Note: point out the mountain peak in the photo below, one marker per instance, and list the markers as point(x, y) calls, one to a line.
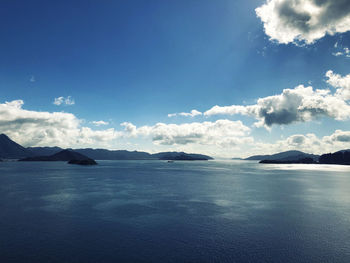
point(3, 135)
point(10, 149)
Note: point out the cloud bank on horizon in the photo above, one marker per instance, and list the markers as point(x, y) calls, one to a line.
point(306, 21)
point(35, 128)
point(221, 132)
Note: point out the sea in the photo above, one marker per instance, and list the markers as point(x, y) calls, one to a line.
point(185, 211)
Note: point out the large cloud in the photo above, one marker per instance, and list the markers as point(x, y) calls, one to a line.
point(296, 105)
point(289, 21)
point(224, 133)
point(33, 128)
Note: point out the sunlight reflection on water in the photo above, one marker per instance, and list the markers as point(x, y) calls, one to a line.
point(313, 167)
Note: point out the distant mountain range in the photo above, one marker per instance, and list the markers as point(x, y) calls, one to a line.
point(284, 156)
point(103, 154)
point(12, 150)
point(63, 155)
point(69, 156)
point(41, 151)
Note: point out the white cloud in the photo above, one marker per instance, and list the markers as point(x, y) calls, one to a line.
point(32, 79)
point(338, 54)
point(339, 136)
point(228, 110)
point(130, 129)
point(342, 84)
point(296, 105)
point(292, 21)
point(193, 113)
point(308, 143)
point(99, 123)
point(345, 52)
point(223, 133)
point(34, 128)
point(64, 101)
point(220, 138)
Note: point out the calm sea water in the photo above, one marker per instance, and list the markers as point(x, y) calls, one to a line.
point(153, 211)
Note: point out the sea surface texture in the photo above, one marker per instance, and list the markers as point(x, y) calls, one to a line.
point(154, 211)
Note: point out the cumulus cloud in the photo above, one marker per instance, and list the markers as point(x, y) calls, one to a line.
point(338, 136)
point(64, 101)
point(342, 84)
point(34, 128)
point(292, 21)
point(296, 105)
point(222, 133)
point(131, 129)
point(193, 113)
point(99, 123)
point(309, 143)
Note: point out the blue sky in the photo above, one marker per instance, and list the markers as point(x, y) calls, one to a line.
point(138, 61)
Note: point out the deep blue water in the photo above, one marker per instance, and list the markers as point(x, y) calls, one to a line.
point(153, 211)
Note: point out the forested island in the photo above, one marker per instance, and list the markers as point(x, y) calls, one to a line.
point(294, 157)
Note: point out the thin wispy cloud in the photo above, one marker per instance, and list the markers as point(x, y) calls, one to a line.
point(193, 113)
point(99, 123)
point(64, 101)
point(345, 52)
